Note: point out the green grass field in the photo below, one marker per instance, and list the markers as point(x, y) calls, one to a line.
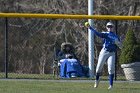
point(48, 76)
point(66, 86)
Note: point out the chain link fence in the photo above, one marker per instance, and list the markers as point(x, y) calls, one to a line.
point(2, 52)
point(31, 43)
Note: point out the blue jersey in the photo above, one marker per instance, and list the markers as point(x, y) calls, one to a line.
point(70, 66)
point(108, 39)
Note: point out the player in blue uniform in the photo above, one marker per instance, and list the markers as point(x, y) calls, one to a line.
point(110, 43)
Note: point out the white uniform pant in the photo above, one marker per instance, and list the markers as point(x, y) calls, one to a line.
point(108, 57)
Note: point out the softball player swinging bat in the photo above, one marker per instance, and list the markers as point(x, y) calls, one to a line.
point(107, 53)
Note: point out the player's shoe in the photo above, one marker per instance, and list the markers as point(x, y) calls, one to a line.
point(110, 87)
point(96, 83)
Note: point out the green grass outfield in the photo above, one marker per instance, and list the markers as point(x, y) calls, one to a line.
point(65, 86)
point(48, 76)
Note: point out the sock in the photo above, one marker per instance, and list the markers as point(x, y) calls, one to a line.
point(97, 76)
point(111, 77)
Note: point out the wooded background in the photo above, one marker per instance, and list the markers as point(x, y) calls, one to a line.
point(32, 40)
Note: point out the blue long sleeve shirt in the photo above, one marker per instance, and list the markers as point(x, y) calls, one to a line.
point(108, 39)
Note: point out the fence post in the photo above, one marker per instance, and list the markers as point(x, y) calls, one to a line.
point(116, 31)
point(6, 47)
